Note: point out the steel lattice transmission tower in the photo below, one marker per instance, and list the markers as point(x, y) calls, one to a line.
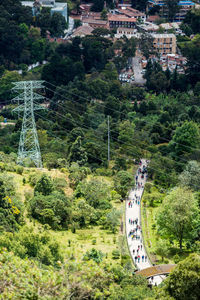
point(28, 144)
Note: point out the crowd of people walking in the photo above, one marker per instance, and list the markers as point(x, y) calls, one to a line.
point(133, 225)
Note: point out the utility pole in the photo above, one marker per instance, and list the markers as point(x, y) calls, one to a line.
point(108, 139)
point(28, 144)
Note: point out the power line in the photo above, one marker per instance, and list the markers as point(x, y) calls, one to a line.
point(112, 110)
point(116, 139)
point(97, 158)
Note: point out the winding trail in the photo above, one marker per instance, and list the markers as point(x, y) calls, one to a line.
point(133, 212)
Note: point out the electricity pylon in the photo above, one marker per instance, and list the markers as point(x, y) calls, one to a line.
point(28, 144)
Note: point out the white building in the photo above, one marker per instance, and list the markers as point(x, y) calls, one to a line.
point(37, 5)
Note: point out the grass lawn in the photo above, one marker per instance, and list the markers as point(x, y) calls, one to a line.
point(74, 244)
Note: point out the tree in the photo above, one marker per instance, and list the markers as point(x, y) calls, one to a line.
point(58, 25)
point(113, 219)
point(78, 153)
point(44, 185)
point(96, 192)
point(171, 8)
point(183, 282)
point(158, 82)
point(178, 216)
point(190, 177)
point(185, 139)
point(146, 45)
point(6, 84)
point(97, 5)
point(123, 182)
point(53, 209)
point(192, 19)
point(104, 14)
point(191, 50)
point(139, 4)
point(162, 248)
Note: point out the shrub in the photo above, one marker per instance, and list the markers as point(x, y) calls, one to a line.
point(44, 185)
point(93, 254)
point(115, 254)
point(28, 243)
point(19, 170)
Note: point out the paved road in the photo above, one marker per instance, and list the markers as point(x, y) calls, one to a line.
point(132, 213)
point(137, 68)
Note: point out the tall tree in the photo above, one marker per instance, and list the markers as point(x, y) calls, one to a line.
point(171, 8)
point(185, 139)
point(178, 216)
point(184, 281)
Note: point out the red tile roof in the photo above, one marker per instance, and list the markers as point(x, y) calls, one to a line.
point(120, 19)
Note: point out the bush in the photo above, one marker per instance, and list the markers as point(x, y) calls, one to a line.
point(19, 170)
point(44, 185)
point(93, 254)
point(115, 254)
point(33, 178)
point(28, 243)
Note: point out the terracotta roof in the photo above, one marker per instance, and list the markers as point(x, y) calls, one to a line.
point(121, 19)
point(83, 30)
point(156, 270)
point(93, 21)
point(153, 18)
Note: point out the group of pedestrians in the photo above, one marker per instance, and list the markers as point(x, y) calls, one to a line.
point(134, 201)
point(134, 228)
point(138, 257)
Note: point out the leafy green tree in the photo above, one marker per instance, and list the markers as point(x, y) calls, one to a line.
point(185, 139)
point(192, 20)
point(158, 82)
point(123, 182)
point(44, 185)
point(96, 192)
point(104, 14)
point(178, 216)
point(58, 25)
point(6, 84)
point(146, 45)
point(97, 5)
point(77, 174)
point(78, 153)
point(183, 281)
point(139, 4)
point(84, 214)
point(192, 52)
point(162, 248)
point(171, 8)
point(113, 220)
point(53, 209)
point(190, 177)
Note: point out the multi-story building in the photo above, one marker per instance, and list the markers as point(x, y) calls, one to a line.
point(116, 21)
point(184, 7)
point(164, 43)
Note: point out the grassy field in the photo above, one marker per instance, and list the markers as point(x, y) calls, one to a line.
point(74, 244)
